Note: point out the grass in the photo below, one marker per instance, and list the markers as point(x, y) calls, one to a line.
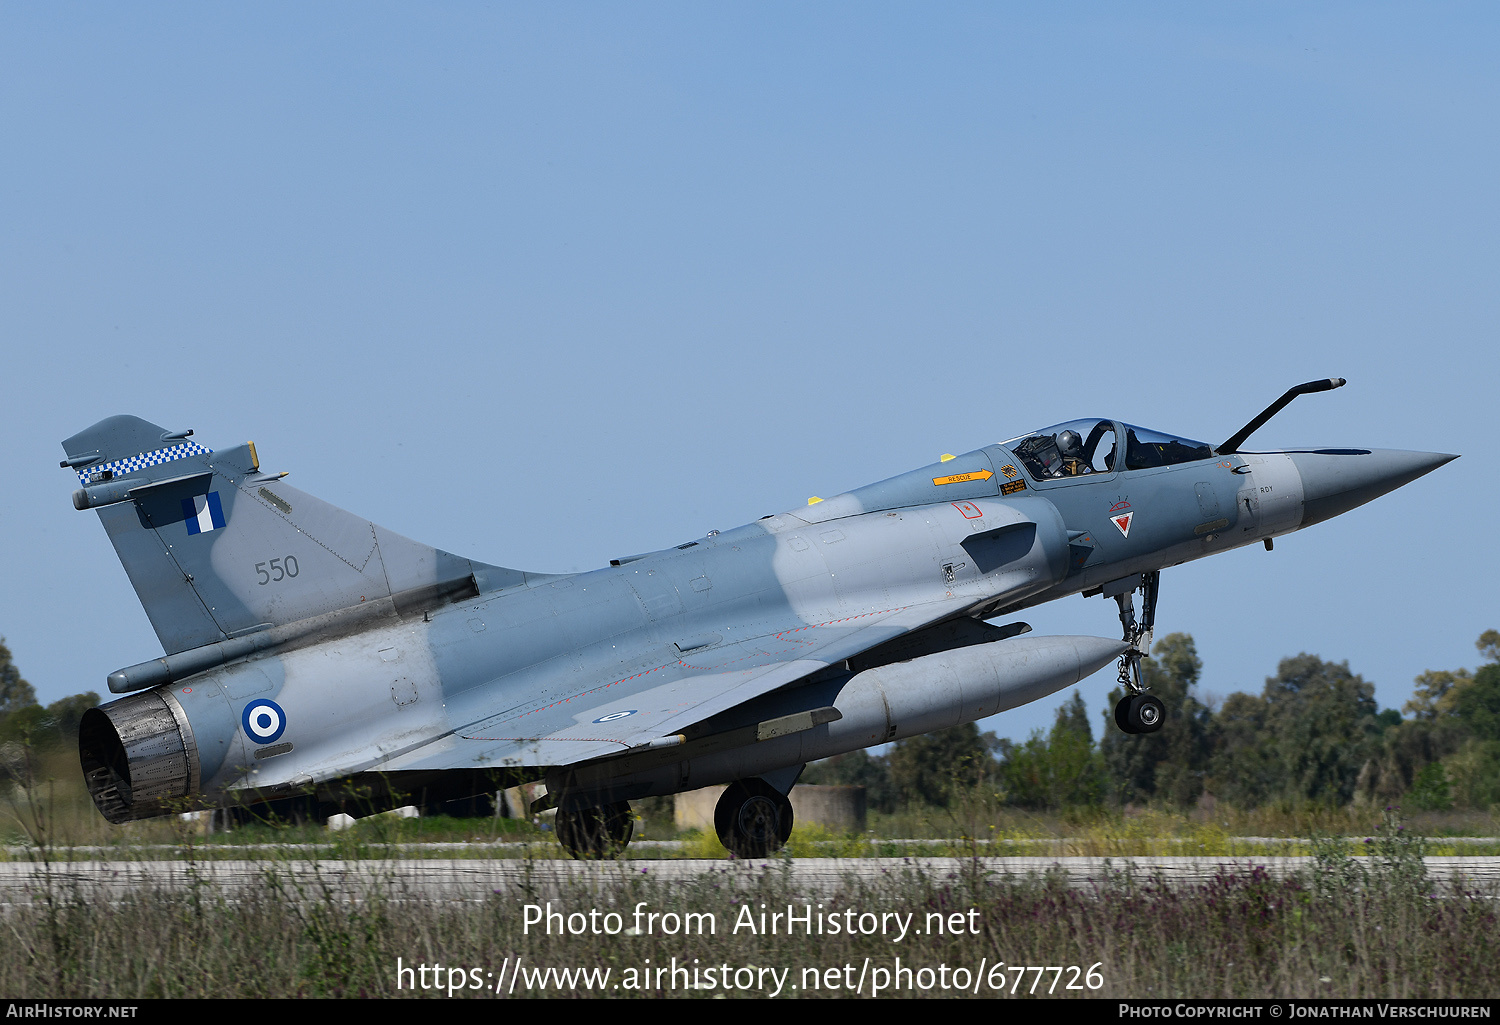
point(976, 823)
point(1226, 832)
point(1349, 928)
point(1363, 921)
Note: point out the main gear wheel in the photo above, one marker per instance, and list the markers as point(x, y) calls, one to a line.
point(753, 818)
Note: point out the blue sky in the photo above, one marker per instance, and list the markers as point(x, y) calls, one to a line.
point(548, 284)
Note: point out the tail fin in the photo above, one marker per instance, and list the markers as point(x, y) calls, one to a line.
point(216, 549)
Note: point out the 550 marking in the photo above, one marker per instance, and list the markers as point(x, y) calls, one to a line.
point(280, 569)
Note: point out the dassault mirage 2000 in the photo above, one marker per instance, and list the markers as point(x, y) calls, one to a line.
point(312, 655)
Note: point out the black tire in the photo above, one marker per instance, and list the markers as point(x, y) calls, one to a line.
point(595, 833)
point(1147, 713)
point(753, 819)
point(1122, 713)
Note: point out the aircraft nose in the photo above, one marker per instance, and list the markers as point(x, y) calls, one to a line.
point(1336, 480)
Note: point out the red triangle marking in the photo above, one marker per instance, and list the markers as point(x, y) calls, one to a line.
point(1123, 522)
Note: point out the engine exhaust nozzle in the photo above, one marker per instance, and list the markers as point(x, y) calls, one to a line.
point(138, 755)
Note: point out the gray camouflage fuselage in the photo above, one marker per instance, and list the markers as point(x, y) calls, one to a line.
point(418, 669)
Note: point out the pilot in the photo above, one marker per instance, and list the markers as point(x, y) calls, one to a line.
point(1071, 447)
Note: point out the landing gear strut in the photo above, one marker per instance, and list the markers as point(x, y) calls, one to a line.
point(594, 833)
point(753, 818)
point(1137, 711)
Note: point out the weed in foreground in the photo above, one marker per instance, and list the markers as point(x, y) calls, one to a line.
point(316, 928)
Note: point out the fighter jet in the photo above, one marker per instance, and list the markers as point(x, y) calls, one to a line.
point(313, 656)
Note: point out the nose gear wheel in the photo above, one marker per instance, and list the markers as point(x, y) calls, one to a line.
point(1137, 711)
point(1140, 713)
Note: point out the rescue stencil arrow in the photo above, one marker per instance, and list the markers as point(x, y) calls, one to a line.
point(959, 478)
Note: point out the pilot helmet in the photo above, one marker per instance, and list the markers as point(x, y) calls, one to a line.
point(1069, 443)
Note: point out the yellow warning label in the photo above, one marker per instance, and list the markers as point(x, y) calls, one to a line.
point(959, 478)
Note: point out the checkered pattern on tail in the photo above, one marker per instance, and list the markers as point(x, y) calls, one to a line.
point(120, 467)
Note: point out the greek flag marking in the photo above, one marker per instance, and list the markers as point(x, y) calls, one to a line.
point(203, 513)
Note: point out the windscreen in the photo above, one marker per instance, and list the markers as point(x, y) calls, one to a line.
point(1144, 449)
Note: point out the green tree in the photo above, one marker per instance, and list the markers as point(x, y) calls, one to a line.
point(1059, 769)
point(1455, 716)
point(1477, 705)
point(1430, 790)
point(1171, 763)
point(1307, 737)
point(53, 726)
point(1073, 719)
point(65, 715)
point(1489, 645)
point(1243, 768)
point(15, 693)
point(1320, 721)
point(930, 768)
point(1475, 769)
point(1404, 751)
point(1435, 693)
point(1438, 691)
point(859, 769)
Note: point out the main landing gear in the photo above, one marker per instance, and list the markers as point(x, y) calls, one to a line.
point(1137, 711)
point(596, 832)
point(753, 818)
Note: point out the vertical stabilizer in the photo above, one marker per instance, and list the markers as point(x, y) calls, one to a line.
point(217, 549)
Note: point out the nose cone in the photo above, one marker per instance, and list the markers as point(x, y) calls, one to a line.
point(1335, 481)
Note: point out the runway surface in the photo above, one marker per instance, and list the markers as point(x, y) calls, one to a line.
point(468, 880)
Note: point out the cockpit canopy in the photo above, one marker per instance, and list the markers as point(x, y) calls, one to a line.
point(1082, 447)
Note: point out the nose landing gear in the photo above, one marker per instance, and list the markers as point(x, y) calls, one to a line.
point(1137, 711)
point(1140, 713)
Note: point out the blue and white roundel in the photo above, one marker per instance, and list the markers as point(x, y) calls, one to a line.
point(263, 721)
point(611, 717)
